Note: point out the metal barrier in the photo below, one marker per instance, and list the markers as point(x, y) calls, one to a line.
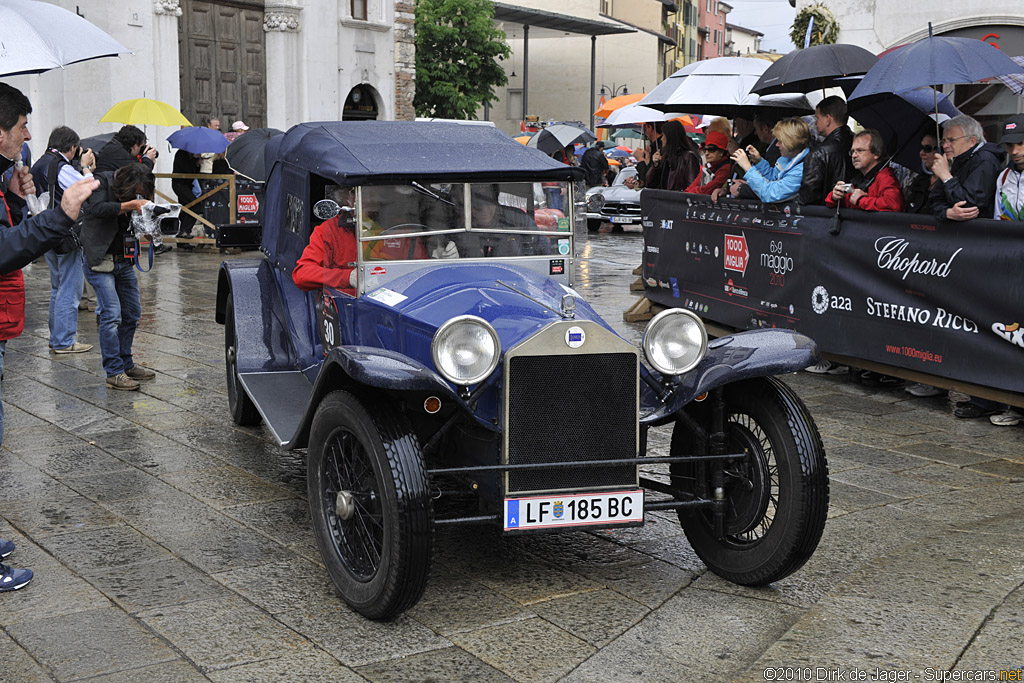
point(229, 182)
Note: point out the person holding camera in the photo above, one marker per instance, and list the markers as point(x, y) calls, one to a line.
point(63, 165)
point(128, 146)
point(110, 250)
point(873, 186)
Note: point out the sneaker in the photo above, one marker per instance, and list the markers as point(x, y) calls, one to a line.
point(12, 579)
point(122, 382)
point(137, 372)
point(77, 347)
point(1008, 419)
point(821, 368)
point(6, 548)
point(837, 369)
point(970, 410)
point(924, 390)
point(873, 379)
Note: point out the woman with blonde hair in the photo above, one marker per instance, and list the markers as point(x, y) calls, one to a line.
point(781, 182)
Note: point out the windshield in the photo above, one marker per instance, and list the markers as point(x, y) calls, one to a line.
point(628, 172)
point(460, 220)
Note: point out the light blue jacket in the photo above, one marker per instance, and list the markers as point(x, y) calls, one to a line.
point(780, 182)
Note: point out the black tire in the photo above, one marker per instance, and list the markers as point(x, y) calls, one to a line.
point(593, 225)
point(243, 410)
point(379, 557)
point(777, 496)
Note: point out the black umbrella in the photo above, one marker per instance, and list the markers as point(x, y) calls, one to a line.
point(96, 142)
point(246, 153)
point(815, 68)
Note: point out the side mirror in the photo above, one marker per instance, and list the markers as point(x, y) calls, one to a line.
point(326, 209)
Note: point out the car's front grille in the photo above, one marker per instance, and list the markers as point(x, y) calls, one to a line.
point(571, 408)
point(620, 209)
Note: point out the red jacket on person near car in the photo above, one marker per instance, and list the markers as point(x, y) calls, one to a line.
point(327, 259)
point(883, 194)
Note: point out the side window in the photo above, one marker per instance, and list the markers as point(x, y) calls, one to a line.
point(294, 217)
point(358, 8)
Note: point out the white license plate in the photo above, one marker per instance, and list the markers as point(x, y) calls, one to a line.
point(576, 509)
point(621, 219)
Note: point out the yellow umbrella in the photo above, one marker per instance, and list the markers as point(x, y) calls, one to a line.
point(145, 111)
point(523, 139)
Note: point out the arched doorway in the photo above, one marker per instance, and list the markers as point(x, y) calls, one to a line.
point(361, 104)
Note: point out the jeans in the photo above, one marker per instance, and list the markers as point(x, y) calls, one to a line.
point(119, 308)
point(554, 197)
point(67, 273)
point(3, 350)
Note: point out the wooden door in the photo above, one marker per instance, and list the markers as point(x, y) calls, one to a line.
point(222, 64)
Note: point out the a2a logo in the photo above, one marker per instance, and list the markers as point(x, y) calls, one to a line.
point(1012, 333)
point(821, 301)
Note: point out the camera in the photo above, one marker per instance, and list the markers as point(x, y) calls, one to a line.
point(156, 152)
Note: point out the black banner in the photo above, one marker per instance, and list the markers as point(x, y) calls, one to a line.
point(941, 297)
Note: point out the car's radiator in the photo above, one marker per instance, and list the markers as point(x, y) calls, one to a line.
point(571, 407)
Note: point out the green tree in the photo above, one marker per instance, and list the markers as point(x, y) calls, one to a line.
point(458, 48)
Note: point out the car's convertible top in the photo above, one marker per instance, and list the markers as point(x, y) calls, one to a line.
point(386, 152)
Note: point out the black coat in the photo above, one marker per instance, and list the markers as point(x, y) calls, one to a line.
point(101, 223)
point(974, 181)
point(114, 155)
point(595, 165)
point(827, 164)
point(30, 238)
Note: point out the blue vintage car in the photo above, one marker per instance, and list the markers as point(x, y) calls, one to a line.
point(441, 369)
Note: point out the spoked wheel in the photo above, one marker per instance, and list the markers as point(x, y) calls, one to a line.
point(370, 505)
point(777, 497)
point(243, 410)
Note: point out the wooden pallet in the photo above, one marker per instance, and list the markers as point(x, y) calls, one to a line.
point(643, 309)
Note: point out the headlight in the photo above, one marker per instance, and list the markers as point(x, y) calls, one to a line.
point(595, 202)
point(675, 341)
point(465, 349)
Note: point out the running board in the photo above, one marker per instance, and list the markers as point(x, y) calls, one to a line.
point(284, 395)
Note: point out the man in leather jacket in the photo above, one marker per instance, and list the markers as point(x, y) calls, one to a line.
point(828, 162)
point(966, 172)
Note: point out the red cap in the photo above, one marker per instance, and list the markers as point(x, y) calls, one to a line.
point(718, 139)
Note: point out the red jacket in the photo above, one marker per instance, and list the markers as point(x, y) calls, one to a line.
point(328, 260)
point(719, 175)
point(12, 285)
point(884, 194)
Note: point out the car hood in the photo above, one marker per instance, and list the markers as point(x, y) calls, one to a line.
point(618, 193)
point(435, 295)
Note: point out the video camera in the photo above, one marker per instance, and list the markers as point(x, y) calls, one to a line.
point(156, 222)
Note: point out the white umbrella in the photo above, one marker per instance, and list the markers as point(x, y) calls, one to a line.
point(718, 86)
point(37, 36)
point(633, 114)
point(559, 136)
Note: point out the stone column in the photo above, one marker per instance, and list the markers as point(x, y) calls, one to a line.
point(165, 49)
point(405, 60)
point(286, 69)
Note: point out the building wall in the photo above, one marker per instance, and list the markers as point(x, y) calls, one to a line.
point(712, 23)
point(316, 54)
point(743, 41)
point(877, 25)
point(559, 76)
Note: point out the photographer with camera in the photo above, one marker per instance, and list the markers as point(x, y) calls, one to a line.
point(110, 251)
point(63, 165)
point(128, 146)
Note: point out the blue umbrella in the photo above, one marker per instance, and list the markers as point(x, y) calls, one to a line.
point(198, 140)
point(616, 153)
point(934, 61)
point(901, 119)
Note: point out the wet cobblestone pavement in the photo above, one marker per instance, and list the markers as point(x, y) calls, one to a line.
point(171, 545)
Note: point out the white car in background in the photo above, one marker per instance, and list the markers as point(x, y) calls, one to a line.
point(615, 204)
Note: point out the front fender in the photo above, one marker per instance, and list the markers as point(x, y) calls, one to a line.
point(732, 358)
point(355, 367)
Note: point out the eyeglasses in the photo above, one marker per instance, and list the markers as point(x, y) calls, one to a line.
point(710, 148)
point(859, 150)
point(928, 149)
point(950, 141)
